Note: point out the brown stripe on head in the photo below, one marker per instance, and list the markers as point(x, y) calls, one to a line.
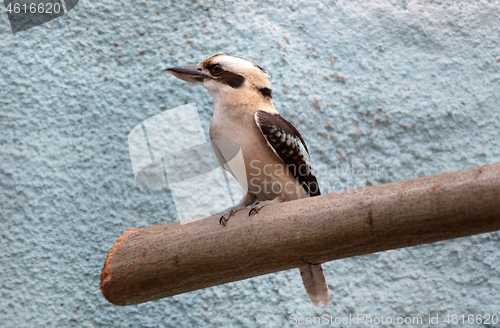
point(234, 71)
point(208, 61)
point(266, 92)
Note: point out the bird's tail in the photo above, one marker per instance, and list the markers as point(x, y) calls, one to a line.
point(315, 284)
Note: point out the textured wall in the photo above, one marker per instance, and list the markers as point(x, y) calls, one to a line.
point(407, 88)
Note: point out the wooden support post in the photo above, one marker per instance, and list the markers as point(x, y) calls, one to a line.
point(164, 260)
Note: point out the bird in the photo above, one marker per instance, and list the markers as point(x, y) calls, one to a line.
point(277, 164)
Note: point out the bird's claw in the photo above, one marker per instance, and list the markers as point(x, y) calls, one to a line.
point(223, 219)
point(254, 210)
point(261, 204)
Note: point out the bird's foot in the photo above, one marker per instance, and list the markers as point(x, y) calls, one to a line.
point(226, 216)
point(257, 207)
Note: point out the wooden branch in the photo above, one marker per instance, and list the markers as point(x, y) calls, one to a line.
point(164, 260)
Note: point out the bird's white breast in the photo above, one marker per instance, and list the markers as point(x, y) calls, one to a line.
point(263, 167)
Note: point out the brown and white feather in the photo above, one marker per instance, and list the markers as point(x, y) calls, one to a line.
point(287, 143)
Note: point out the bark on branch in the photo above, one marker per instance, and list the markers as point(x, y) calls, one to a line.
point(164, 260)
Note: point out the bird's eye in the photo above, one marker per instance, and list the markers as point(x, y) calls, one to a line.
point(216, 69)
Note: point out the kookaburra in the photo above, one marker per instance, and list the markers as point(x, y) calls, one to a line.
point(276, 159)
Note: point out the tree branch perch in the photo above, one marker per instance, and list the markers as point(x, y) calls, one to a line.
point(164, 260)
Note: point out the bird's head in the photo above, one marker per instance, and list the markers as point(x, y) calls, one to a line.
point(231, 80)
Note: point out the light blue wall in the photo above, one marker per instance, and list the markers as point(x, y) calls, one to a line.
point(421, 97)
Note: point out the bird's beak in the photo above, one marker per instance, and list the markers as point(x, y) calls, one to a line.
point(187, 73)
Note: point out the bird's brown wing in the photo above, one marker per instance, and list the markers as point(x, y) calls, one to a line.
point(289, 145)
